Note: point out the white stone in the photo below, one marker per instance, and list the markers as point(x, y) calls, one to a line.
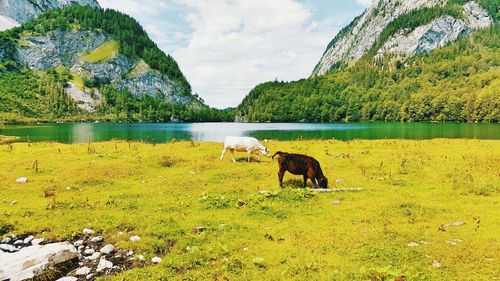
point(28, 239)
point(88, 231)
point(19, 242)
point(94, 256)
point(107, 249)
point(104, 264)
point(436, 264)
point(336, 202)
point(90, 276)
point(413, 244)
point(130, 253)
point(141, 257)
point(89, 252)
point(32, 261)
point(7, 248)
point(82, 271)
point(6, 240)
point(78, 243)
point(156, 260)
point(68, 278)
point(37, 241)
point(476, 15)
point(68, 188)
point(96, 239)
point(22, 180)
point(135, 238)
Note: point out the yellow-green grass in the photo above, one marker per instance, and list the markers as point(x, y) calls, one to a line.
point(78, 82)
point(103, 53)
point(162, 192)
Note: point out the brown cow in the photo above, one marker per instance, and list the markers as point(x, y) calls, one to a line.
point(304, 165)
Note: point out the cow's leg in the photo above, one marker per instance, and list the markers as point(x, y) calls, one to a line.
point(305, 181)
point(257, 155)
point(232, 155)
point(223, 152)
point(249, 155)
point(281, 173)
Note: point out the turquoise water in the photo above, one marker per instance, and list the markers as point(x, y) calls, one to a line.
point(152, 132)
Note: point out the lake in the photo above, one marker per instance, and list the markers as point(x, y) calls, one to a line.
point(154, 132)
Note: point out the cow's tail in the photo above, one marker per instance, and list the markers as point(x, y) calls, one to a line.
point(277, 153)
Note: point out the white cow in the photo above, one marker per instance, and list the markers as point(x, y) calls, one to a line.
point(250, 145)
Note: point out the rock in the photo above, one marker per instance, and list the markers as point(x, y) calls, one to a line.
point(22, 180)
point(135, 238)
point(140, 257)
point(13, 203)
point(90, 276)
point(413, 244)
point(94, 256)
point(89, 252)
point(425, 38)
point(68, 278)
point(87, 231)
point(107, 249)
point(78, 243)
point(96, 239)
point(454, 242)
point(436, 264)
point(336, 202)
point(37, 241)
point(81, 248)
point(68, 188)
point(245, 249)
point(6, 240)
point(82, 271)
point(103, 265)
point(156, 260)
point(360, 36)
point(28, 239)
point(24, 11)
point(199, 229)
point(33, 261)
point(130, 253)
point(19, 242)
point(8, 248)
point(455, 223)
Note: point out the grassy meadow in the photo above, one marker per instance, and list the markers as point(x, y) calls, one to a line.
point(394, 229)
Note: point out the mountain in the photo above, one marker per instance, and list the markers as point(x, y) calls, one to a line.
point(94, 63)
point(416, 60)
point(16, 12)
point(404, 28)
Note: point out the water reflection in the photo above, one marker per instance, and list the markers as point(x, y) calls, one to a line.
point(82, 132)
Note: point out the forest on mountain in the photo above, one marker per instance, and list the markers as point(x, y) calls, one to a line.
point(458, 82)
point(41, 95)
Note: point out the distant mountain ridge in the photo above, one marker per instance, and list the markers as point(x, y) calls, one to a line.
point(16, 12)
point(403, 28)
point(411, 61)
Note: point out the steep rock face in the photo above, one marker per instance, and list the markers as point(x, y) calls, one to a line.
point(425, 38)
point(354, 44)
point(69, 49)
point(21, 11)
point(438, 33)
point(58, 48)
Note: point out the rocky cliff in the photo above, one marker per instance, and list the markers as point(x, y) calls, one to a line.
point(15, 12)
point(75, 50)
point(442, 22)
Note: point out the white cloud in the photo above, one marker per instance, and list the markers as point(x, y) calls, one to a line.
point(366, 3)
point(237, 44)
point(227, 47)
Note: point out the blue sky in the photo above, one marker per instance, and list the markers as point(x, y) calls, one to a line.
point(226, 47)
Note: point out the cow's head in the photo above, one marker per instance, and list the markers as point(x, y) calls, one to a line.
point(322, 182)
point(265, 151)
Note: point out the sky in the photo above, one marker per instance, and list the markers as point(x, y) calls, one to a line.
point(227, 47)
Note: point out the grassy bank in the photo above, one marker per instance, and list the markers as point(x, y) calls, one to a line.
point(162, 192)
